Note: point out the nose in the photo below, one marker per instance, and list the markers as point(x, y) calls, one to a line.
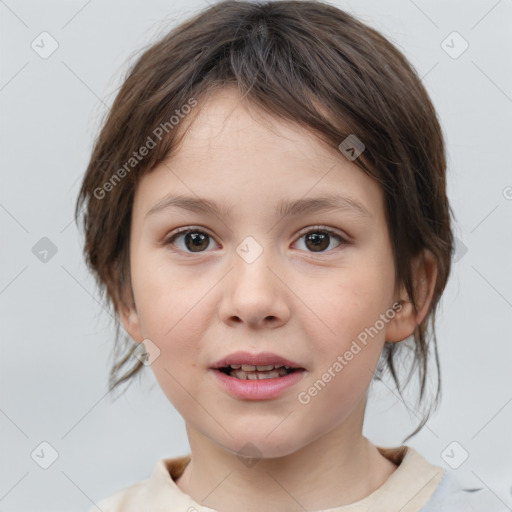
point(255, 293)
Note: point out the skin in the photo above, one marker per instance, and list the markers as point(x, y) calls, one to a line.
point(302, 304)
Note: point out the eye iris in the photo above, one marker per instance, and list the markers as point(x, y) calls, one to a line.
point(320, 240)
point(197, 239)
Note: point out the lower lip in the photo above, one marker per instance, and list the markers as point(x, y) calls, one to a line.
point(263, 389)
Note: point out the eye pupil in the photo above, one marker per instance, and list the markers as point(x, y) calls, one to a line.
point(197, 240)
point(318, 239)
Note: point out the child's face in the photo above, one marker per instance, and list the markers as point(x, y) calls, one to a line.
point(304, 299)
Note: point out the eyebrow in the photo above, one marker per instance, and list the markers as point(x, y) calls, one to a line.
point(284, 208)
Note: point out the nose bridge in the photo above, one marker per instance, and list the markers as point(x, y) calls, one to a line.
point(250, 249)
point(251, 267)
point(254, 293)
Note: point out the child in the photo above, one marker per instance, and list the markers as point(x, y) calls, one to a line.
point(266, 202)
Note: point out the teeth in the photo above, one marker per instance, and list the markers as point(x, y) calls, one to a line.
point(244, 375)
point(260, 368)
point(257, 372)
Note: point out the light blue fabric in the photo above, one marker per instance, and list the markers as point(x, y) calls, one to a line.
point(451, 496)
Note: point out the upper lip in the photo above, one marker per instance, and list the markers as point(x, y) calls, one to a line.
point(261, 359)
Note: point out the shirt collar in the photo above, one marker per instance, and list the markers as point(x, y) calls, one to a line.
point(407, 489)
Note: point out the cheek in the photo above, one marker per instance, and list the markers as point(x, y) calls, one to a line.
point(350, 301)
point(174, 313)
point(347, 323)
point(168, 301)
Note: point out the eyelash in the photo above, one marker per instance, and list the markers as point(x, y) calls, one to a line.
point(313, 229)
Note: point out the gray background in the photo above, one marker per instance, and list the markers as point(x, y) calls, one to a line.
point(56, 338)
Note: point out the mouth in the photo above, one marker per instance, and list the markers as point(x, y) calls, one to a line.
point(262, 376)
point(257, 372)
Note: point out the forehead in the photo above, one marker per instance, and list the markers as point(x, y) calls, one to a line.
point(233, 152)
point(225, 121)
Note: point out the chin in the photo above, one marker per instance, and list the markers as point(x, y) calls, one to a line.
point(260, 447)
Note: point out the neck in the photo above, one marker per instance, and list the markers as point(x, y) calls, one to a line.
point(339, 468)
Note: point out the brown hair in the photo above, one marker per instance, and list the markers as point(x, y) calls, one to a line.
point(303, 61)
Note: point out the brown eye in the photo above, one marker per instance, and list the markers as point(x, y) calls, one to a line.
point(319, 239)
point(193, 240)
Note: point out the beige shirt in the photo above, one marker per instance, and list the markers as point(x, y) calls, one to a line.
point(408, 488)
